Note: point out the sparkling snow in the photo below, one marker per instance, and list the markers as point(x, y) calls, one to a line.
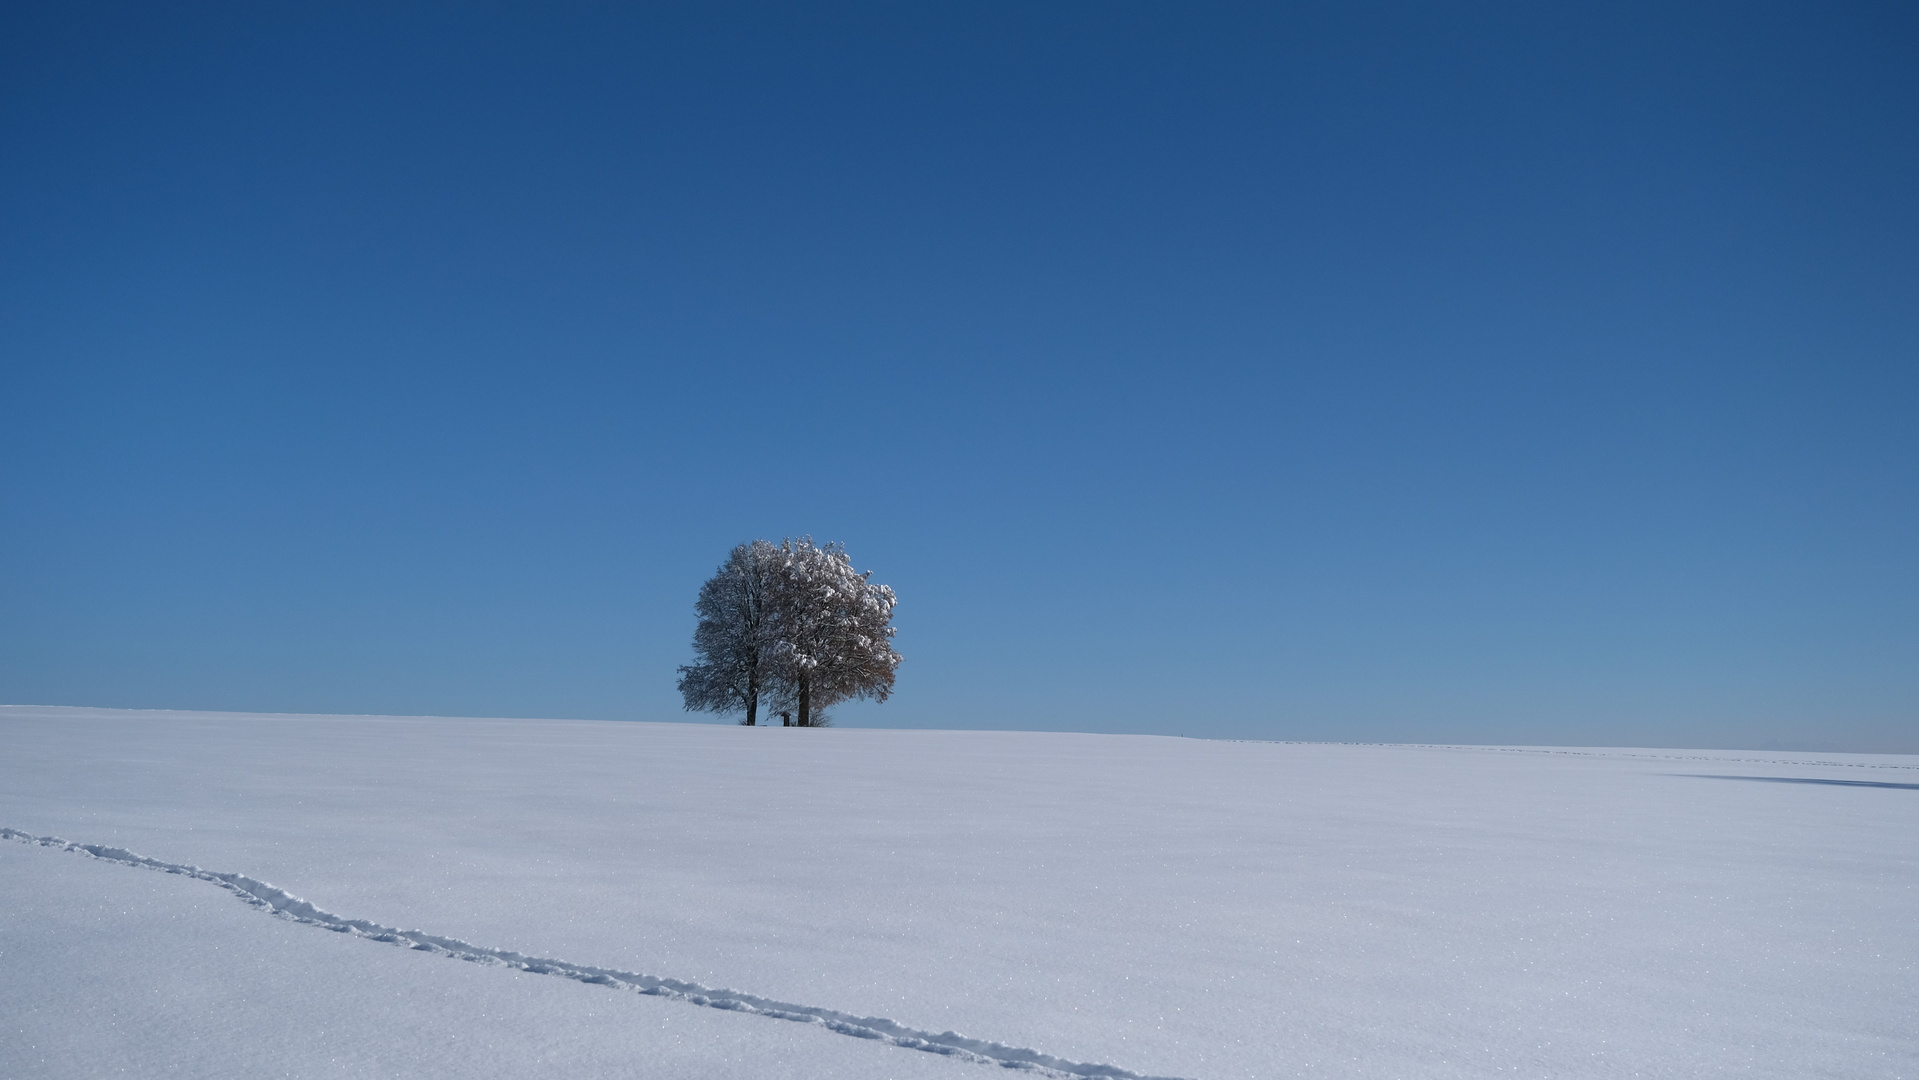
point(1162, 906)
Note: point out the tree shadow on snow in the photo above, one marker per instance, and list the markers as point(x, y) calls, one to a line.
point(1801, 780)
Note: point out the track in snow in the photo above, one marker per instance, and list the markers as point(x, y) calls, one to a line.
point(280, 903)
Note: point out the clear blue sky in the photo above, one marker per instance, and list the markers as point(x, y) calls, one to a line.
point(1407, 372)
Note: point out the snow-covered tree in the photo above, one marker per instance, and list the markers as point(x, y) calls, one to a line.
point(830, 630)
point(732, 640)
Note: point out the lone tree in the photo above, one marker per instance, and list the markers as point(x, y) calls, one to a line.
point(794, 623)
point(735, 652)
point(832, 638)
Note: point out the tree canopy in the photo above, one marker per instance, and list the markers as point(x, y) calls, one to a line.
point(793, 623)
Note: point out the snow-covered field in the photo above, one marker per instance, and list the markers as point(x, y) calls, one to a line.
point(1103, 905)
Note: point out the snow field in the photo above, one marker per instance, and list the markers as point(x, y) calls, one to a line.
point(1165, 906)
point(105, 971)
point(281, 904)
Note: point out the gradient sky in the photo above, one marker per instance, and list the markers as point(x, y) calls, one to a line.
point(1434, 372)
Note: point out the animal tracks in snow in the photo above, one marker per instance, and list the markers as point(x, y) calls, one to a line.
point(282, 904)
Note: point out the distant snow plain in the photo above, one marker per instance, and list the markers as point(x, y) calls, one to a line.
point(1072, 904)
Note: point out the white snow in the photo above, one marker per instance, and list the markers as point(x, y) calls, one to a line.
point(1156, 906)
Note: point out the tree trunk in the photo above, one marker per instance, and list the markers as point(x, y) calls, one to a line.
point(806, 702)
point(752, 707)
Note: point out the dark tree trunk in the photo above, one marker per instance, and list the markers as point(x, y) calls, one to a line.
point(752, 706)
point(806, 702)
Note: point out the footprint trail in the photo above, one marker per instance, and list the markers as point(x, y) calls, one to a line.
point(282, 904)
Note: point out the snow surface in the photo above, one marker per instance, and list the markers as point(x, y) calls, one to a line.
point(1155, 906)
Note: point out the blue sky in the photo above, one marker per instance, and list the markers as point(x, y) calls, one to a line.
point(1410, 372)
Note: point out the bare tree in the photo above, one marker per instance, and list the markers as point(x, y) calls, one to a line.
point(830, 630)
point(735, 662)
